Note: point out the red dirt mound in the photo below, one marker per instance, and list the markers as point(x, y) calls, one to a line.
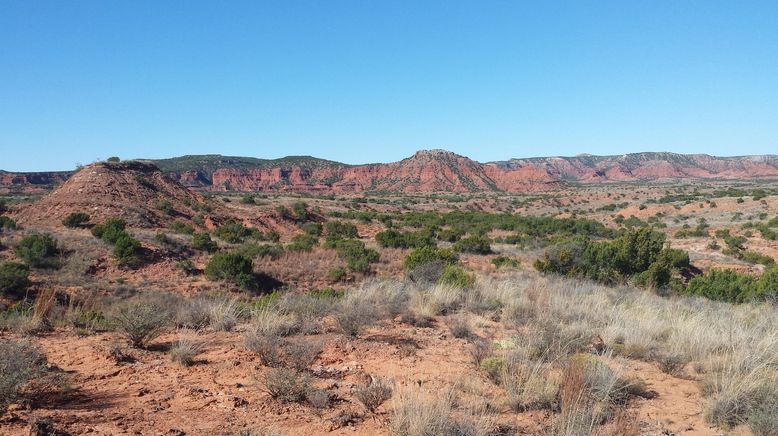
point(137, 192)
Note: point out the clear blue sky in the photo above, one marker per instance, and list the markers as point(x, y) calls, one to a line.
point(373, 81)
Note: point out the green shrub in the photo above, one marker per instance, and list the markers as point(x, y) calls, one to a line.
point(110, 231)
point(304, 242)
point(450, 235)
point(300, 211)
point(754, 257)
point(336, 275)
point(614, 261)
point(166, 207)
point(247, 199)
point(75, 219)
point(505, 261)
point(340, 230)
point(457, 277)
point(424, 255)
point(127, 251)
point(232, 267)
point(314, 229)
point(726, 285)
point(37, 250)
point(182, 228)
point(395, 239)
point(203, 242)
point(14, 278)
point(232, 232)
point(7, 223)
point(264, 250)
point(357, 257)
point(474, 244)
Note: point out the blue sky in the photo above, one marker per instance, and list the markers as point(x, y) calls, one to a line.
point(373, 81)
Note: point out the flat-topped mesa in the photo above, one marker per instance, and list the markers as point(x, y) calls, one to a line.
point(435, 153)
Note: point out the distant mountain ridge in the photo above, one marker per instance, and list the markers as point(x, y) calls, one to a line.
point(433, 171)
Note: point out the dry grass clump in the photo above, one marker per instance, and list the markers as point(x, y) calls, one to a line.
point(418, 413)
point(185, 350)
point(267, 347)
point(527, 383)
point(24, 372)
point(359, 309)
point(374, 394)
point(201, 312)
point(589, 393)
point(460, 327)
point(286, 385)
point(141, 322)
point(736, 344)
point(300, 355)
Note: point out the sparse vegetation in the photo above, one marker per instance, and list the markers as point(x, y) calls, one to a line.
point(38, 250)
point(76, 220)
point(232, 267)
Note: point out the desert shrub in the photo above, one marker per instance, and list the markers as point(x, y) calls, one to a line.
point(185, 350)
point(300, 210)
point(300, 355)
point(460, 327)
point(763, 419)
point(671, 363)
point(232, 232)
point(203, 242)
point(182, 228)
point(3, 205)
point(261, 250)
point(493, 367)
point(314, 229)
point(474, 244)
point(357, 257)
point(141, 322)
point(14, 278)
point(395, 239)
point(614, 261)
point(354, 315)
point(247, 199)
point(7, 223)
point(23, 367)
point(457, 277)
point(166, 207)
point(267, 347)
point(340, 230)
point(726, 285)
point(427, 273)
point(505, 261)
point(754, 257)
point(424, 255)
point(232, 267)
point(286, 385)
point(110, 231)
point(450, 235)
point(374, 394)
point(37, 250)
point(75, 219)
point(127, 250)
point(336, 275)
point(304, 242)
